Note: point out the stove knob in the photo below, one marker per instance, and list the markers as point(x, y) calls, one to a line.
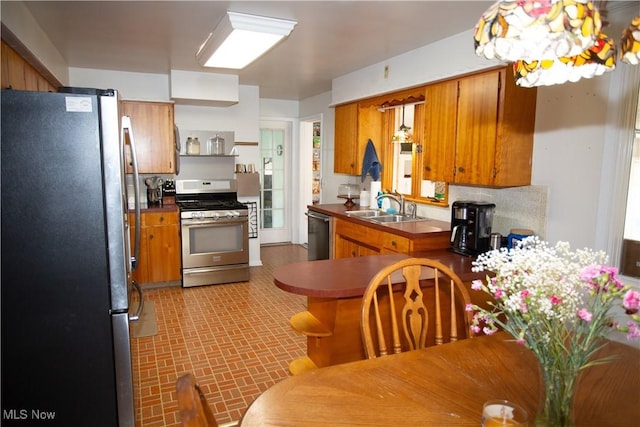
point(215, 215)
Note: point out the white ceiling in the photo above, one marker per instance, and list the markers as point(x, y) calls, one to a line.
point(332, 38)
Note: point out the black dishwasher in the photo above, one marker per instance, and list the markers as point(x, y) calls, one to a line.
point(319, 235)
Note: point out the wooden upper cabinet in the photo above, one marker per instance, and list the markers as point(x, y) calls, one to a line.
point(440, 114)
point(346, 128)
point(355, 124)
point(479, 130)
point(153, 131)
point(476, 128)
point(18, 74)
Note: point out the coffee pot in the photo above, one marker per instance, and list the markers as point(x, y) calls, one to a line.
point(471, 224)
point(154, 190)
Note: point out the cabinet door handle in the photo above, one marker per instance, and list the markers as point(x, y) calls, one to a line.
point(427, 168)
point(461, 169)
point(393, 243)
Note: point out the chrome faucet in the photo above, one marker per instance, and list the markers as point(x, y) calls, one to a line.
point(399, 199)
point(413, 209)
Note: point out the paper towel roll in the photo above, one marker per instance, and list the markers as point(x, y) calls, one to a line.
point(364, 198)
point(376, 187)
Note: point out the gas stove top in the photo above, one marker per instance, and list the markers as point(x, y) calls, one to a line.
point(210, 205)
point(217, 199)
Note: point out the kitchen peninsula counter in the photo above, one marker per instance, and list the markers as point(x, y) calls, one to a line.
point(334, 290)
point(352, 236)
point(414, 230)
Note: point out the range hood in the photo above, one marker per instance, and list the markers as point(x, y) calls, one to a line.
point(206, 89)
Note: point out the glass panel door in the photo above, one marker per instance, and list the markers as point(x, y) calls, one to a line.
point(273, 143)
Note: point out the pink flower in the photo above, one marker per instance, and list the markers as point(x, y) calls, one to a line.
point(590, 273)
point(468, 307)
point(584, 314)
point(521, 341)
point(475, 329)
point(631, 301)
point(555, 300)
point(601, 277)
point(634, 331)
point(498, 294)
point(488, 331)
point(476, 285)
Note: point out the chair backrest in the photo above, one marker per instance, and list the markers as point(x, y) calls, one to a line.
point(404, 300)
point(194, 410)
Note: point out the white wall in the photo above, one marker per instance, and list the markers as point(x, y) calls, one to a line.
point(134, 86)
point(438, 61)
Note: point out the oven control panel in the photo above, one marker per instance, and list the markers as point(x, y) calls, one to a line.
point(214, 215)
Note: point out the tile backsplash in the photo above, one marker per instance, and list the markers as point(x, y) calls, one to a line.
point(516, 207)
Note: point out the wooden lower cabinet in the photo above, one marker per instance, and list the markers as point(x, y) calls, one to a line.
point(159, 259)
point(353, 240)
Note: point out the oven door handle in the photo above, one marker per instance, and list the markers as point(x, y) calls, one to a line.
point(321, 218)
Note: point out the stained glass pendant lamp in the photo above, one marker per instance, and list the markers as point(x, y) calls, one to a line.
point(593, 62)
point(532, 30)
point(630, 43)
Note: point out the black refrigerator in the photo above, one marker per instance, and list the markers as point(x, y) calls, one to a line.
point(66, 263)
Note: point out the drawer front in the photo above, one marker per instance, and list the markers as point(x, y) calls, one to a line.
point(359, 233)
point(160, 218)
point(395, 243)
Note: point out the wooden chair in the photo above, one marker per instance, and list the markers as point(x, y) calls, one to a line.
point(426, 293)
point(193, 406)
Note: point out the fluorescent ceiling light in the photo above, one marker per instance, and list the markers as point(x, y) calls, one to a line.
point(239, 39)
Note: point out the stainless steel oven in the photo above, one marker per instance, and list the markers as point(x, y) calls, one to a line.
point(214, 230)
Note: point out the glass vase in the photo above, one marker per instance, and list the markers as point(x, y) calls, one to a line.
point(558, 386)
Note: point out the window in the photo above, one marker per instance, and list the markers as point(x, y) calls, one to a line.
point(630, 256)
point(406, 174)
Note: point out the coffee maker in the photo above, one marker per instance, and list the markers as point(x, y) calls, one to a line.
point(471, 227)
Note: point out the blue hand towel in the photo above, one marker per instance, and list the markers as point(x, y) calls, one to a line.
point(371, 164)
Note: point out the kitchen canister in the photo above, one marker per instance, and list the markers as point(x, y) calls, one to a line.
point(217, 145)
point(495, 241)
point(193, 146)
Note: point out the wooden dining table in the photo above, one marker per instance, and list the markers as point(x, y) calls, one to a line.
point(445, 385)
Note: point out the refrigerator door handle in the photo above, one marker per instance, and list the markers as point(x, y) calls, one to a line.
point(126, 124)
point(136, 316)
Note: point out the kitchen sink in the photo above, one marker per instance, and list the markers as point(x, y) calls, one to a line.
point(382, 217)
point(370, 213)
